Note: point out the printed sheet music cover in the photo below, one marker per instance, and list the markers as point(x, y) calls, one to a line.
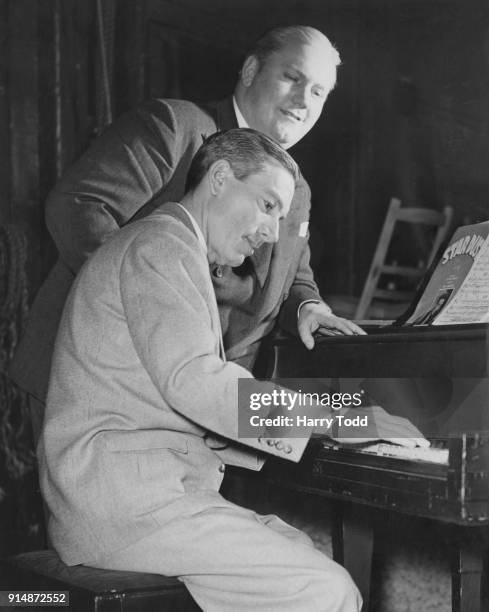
point(458, 291)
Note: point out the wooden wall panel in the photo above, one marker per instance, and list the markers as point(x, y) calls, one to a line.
point(48, 114)
point(130, 54)
point(47, 110)
point(5, 203)
point(24, 123)
point(76, 89)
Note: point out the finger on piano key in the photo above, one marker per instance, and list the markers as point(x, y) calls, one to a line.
point(396, 429)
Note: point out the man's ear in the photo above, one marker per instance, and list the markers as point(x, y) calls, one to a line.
point(249, 70)
point(218, 174)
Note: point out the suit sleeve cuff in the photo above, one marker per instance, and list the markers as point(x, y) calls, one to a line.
point(312, 302)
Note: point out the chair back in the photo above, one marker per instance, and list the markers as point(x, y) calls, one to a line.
point(440, 221)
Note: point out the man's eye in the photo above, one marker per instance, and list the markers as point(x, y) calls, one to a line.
point(291, 77)
point(269, 205)
point(319, 93)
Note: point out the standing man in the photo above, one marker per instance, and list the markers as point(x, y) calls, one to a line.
point(142, 161)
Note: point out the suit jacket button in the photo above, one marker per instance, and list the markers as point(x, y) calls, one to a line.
point(270, 442)
point(279, 445)
point(222, 468)
point(288, 449)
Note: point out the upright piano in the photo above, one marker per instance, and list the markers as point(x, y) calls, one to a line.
point(438, 378)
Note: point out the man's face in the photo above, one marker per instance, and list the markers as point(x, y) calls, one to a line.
point(284, 97)
point(246, 213)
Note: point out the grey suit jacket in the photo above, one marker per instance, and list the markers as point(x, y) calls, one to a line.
point(140, 398)
point(140, 162)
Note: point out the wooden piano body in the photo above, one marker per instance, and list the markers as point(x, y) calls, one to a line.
point(438, 377)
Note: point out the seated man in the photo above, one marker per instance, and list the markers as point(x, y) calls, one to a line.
point(140, 398)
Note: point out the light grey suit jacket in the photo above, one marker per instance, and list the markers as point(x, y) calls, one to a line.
point(137, 385)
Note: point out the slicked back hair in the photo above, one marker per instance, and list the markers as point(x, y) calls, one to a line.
point(246, 150)
point(275, 39)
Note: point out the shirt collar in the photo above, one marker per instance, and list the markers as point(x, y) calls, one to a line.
point(239, 115)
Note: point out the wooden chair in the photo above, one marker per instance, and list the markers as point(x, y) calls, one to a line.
point(389, 302)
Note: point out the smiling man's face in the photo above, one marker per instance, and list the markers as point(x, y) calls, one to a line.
point(284, 97)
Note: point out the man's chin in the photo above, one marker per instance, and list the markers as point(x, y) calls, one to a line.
point(232, 263)
point(287, 139)
point(238, 261)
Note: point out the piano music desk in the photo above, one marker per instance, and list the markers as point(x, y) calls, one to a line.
point(454, 362)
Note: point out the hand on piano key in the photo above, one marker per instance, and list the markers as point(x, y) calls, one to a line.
point(382, 426)
point(317, 317)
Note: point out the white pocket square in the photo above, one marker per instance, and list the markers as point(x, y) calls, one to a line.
point(303, 229)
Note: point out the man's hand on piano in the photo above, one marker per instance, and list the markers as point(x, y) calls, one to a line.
point(382, 426)
point(317, 317)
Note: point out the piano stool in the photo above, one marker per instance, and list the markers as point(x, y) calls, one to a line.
point(95, 590)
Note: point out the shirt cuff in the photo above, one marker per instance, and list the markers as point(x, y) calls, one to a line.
point(312, 302)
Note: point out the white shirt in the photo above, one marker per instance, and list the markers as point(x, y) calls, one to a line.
point(239, 115)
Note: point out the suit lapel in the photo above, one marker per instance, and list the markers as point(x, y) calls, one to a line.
point(261, 262)
point(262, 259)
point(174, 210)
point(225, 115)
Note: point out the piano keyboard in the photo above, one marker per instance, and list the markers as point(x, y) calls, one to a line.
point(429, 455)
point(448, 481)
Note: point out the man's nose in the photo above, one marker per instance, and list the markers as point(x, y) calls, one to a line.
point(301, 95)
point(269, 230)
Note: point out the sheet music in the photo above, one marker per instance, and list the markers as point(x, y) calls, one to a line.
point(458, 291)
point(471, 302)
